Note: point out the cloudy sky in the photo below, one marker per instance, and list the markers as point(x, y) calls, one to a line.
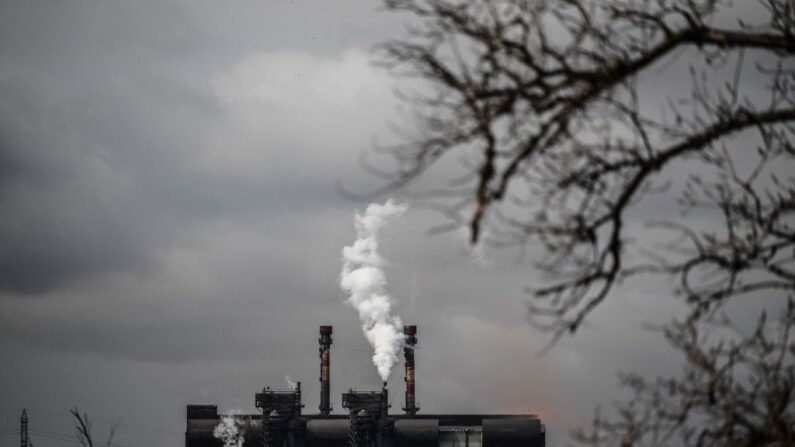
point(171, 232)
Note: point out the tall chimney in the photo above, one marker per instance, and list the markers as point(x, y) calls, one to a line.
point(408, 351)
point(325, 370)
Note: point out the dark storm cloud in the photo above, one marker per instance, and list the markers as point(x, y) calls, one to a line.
point(78, 130)
point(114, 134)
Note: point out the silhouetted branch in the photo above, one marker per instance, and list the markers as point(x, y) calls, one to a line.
point(83, 430)
point(83, 427)
point(737, 389)
point(546, 94)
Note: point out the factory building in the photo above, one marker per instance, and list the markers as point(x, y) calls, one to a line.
point(368, 422)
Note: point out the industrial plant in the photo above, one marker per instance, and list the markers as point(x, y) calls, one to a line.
point(367, 423)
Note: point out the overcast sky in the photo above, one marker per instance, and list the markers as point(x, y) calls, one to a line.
point(171, 232)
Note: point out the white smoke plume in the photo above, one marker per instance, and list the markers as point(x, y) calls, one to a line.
point(229, 432)
point(291, 384)
point(364, 280)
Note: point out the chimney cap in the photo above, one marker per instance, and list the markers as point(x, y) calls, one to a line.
point(410, 330)
point(325, 330)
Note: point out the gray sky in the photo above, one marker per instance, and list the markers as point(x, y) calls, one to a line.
point(171, 232)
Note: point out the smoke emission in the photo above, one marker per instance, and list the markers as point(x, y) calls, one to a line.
point(291, 384)
point(364, 280)
point(228, 432)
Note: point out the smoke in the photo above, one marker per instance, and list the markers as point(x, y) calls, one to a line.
point(290, 383)
point(228, 432)
point(364, 280)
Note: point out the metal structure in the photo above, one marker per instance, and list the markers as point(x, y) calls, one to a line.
point(325, 370)
point(410, 333)
point(278, 409)
point(23, 429)
point(368, 423)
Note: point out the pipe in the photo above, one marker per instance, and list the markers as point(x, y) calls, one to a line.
point(361, 431)
point(274, 430)
point(297, 405)
point(408, 351)
point(325, 370)
point(417, 432)
point(384, 401)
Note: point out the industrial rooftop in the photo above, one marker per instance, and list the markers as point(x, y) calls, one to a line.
point(368, 422)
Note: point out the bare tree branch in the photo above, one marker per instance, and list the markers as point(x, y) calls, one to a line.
point(547, 95)
point(83, 430)
point(734, 391)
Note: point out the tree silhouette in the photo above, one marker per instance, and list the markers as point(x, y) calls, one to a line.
point(576, 120)
point(735, 389)
point(83, 430)
point(555, 109)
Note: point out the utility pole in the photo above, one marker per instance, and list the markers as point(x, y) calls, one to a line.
point(23, 429)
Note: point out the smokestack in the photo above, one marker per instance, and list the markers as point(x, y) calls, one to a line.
point(408, 351)
point(325, 370)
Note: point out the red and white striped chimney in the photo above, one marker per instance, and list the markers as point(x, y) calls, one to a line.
point(408, 351)
point(325, 370)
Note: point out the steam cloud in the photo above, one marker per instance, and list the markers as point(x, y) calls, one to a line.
point(228, 432)
point(364, 280)
point(291, 384)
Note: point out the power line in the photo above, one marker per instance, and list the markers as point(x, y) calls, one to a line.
point(23, 429)
point(58, 438)
point(68, 438)
point(49, 435)
point(132, 426)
